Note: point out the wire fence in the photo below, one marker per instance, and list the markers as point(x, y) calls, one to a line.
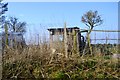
point(106, 41)
point(105, 36)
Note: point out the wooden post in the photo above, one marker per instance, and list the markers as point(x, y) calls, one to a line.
point(51, 47)
point(74, 41)
point(106, 39)
point(6, 35)
point(51, 40)
point(38, 39)
point(78, 42)
point(65, 41)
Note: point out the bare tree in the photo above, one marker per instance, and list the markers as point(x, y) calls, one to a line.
point(3, 9)
point(91, 19)
point(17, 26)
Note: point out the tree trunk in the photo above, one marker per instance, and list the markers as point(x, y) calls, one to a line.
point(88, 44)
point(88, 40)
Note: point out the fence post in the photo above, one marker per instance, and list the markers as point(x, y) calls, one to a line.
point(74, 42)
point(51, 40)
point(65, 41)
point(106, 40)
point(6, 35)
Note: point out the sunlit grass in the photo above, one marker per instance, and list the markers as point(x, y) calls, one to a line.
point(33, 62)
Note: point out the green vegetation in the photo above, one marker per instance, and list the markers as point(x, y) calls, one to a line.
point(33, 62)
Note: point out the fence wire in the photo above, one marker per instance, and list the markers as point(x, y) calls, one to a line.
point(105, 36)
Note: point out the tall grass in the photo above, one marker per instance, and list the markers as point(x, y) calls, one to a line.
point(38, 61)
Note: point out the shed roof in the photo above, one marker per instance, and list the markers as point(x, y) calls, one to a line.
point(62, 29)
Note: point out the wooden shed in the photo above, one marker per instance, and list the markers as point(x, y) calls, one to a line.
point(74, 40)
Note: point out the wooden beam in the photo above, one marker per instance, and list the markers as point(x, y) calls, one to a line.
point(102, 30)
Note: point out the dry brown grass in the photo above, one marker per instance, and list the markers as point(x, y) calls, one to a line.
point(39, 62)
